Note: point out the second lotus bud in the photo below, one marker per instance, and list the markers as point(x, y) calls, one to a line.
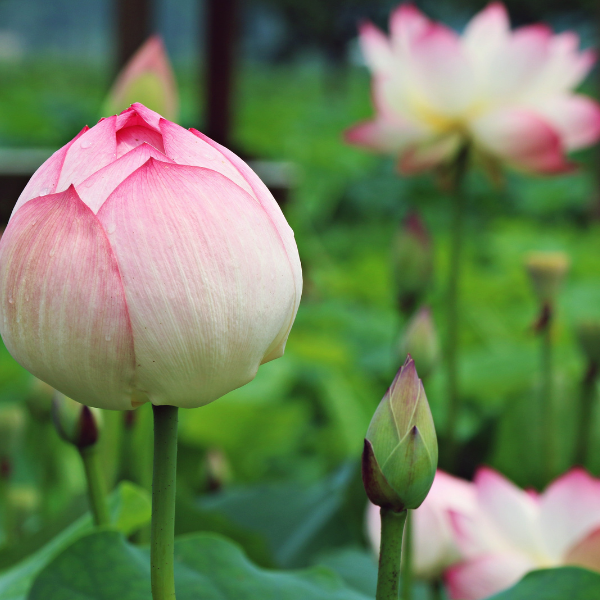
point(420, 340)
point(76, 424)
point(400, 454)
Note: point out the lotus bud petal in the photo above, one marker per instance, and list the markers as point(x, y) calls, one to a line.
point(400, 454)
point(76, 424)
point(420, 340)
point(413, 261)
point(588, 335)
point(547, 271)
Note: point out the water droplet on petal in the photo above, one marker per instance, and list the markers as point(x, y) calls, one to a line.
point(52, 251)
point(44, 191)
point(111, 228)
point(85, 143)
point(11, 300)
point(19, 319)
point(107, 338)
point(26, 297)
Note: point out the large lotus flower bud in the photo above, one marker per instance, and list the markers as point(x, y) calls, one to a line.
point(144, 262)
point(588, 334)
point(420, 340)
point(413, 261)
point(76, 424)
point(401, 453)
point(547, 271)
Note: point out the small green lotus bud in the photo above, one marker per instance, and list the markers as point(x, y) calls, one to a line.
point(400, 454)
point(218, 470)
point(39, 399)
point(12, 425)
point(588, 334)
point(77, 424)
point(547, 271)
point(420, 340)
point(412, 261)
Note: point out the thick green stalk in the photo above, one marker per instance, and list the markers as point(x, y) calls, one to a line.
point(547, 404)
point(95, 485)
point(407, 555)
point(586, 413)
point(163, 503)
point(390, 554)
point(452, 303)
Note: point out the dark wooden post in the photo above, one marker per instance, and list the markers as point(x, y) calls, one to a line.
point(221, 34)
point(134, 25)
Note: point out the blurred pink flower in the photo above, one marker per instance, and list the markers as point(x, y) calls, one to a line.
point(434, 547)
point(515, 531)
point(145, 262)
point(507, 93)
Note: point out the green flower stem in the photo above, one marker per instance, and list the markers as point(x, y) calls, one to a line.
point(163, 502)
point(390, 554)
point(437, 590)
point(588, 395)
point(547, 402)
point(95, 485)
point(452, 303)
point(407, 555)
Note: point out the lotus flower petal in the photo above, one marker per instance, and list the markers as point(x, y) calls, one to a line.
point(65, 318)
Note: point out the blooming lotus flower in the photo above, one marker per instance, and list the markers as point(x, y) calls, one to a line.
point(515, 531)
point(434, 548)
point(144, 262)
point(508, 94)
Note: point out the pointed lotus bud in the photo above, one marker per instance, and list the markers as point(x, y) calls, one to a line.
point(400, 454)
point(588, 335)
point(547, 271)
point(147, 78)
point(420, 340)
point(412, 261)
point(77, 424)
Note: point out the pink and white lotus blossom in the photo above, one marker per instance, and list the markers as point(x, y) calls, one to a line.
point(434, 547)
point(145, 262)
point(507, 94)
point(515, 531)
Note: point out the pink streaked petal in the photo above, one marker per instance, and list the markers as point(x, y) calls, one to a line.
point(270, 206)
point(376, 48)
point(586, 553)
point(45, 180)
point(424, 156)
point(484, 576)
point(570, 511)
point(452, 492)
point(576, 118)
point(407, 23)
point(138, 114)
point(186, 148)
point(514, 513)
point(523, 139)
point(486, 33)
point(93, 150)
point(475, 534)
point(380, 135)
point(442, 71)
point(98, 187)
point(131, 137)
point(517, 64)
point(220, 288)
point(149, 61)
point(65, 315)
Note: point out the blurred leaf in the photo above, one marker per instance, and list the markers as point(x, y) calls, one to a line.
point(296, 520)
point(103, 566)
point(357, 567)
point(130, 509)
point(565, 583)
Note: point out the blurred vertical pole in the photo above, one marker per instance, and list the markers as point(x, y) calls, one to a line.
point(221, 35)
point(134, 23)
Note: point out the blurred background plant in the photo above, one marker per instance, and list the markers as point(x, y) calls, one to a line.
point(275, 465)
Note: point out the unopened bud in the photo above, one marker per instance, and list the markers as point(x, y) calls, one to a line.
point(412, 261)
point(400, 454)
point(420, 340)
point(588, 334)
point(547, 271)
point(77, 424)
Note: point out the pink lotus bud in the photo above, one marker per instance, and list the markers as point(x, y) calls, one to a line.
point(506, 93)
point(147, 78)
point(144, 262)
point(76, 424)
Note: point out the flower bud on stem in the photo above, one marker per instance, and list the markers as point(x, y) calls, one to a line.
point(163, 502)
